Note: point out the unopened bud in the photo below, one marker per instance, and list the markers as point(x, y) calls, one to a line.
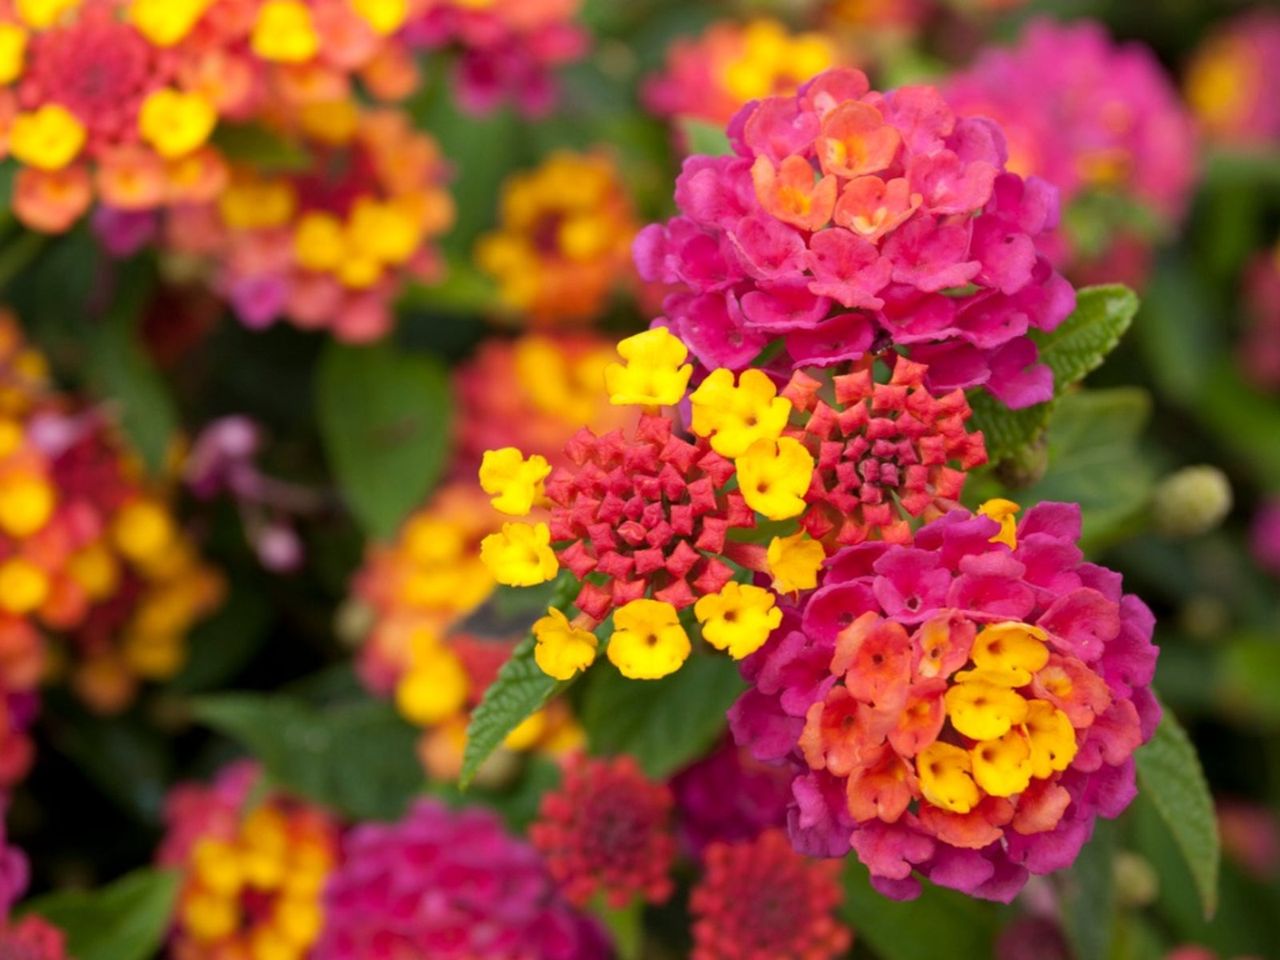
point(1137, 884)
point(1025, 467)
point(1191, 501)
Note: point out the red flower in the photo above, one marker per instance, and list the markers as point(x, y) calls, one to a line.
point(607, 830)
point(761, 900)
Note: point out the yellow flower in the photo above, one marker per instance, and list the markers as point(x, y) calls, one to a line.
point(514, 483)
point(23, 586)
point(562, 649)
point(13, 51)
point(284, 32)
point(1002, 767)
point(318, 242)
point(176, 123)
point(946, 779)
point(384, 16)
point(48, 138)
point(142, 530)
point(736, 417)
point(520, 555)
point(166, 22)
point(648, 642)
point(26, 503)
point(794, 562)
point(1002, 512)
point(434, 688)
point(1014, 648)
point(43, 13)
point(774, 476)
point(654, 373)
point(1052, 739)
point(984, 710)
point(738, 619)
point(383, 231)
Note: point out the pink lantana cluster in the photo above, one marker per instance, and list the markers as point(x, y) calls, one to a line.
point(451, 886)
point(1231, 80)
point(1093, 117)
point(507, 48)
point(848, 220)
point(961, 708)
point(1260, 347)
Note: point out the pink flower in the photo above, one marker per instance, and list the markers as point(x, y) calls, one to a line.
point(1264, 537)
point(448, 885)
point(897, 757)
point(840, 222)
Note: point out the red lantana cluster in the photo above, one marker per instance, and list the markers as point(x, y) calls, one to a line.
point(882, 454)
point(644, 511)
point(608, 831)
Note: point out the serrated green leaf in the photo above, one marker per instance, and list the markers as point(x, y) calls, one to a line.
point(384, 420)
point(520, 690)
point(704, 138)
point(126, 920)
point(1169, 774)
point(1094, 458)
point(1087, 896)
point(358, 758)
point(938, 923)
point(665, 724)
point(1077, 347)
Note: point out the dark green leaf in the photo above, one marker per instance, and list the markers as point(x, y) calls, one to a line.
point(665, 724)
point(126, 920)
point(1094, 458)
point(939, 923)
point(260, 148)
point(1087, 896)
point(121, 372)
point(1170, 776)
point(1240, 416)
point(225, 642)
point(520, 690)
point(705, 138)
point(384, 419)
point(1077, 347)
point(355, 757)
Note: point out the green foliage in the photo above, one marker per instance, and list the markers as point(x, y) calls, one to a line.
point(1094, 459)
point(1169, 774)
point(356, 757)
point(705, 138)
point(521, 689)
point(125, 920)
point(1087, 895)
point(1077, 347)
point(939, 923)
point(384, 420)
point(665, 724)
point(255, 145)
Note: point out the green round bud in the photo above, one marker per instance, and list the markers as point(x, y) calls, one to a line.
point(1191, 501)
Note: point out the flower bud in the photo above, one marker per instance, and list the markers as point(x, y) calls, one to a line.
point(1191, 501)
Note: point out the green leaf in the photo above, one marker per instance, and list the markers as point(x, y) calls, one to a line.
point(384, 420)
point(705, 138)
point(1169, 774)
point(121, 372)
point(1094, 458)
point(355, 757)
point(260, 148)
point(1087, 896)
point(1239, 415)
point(1077, 347)
point(1250, 675)
point(939, 923)
point(521, 689)
point(126, 920)
point(665, 724)
point(225, 642)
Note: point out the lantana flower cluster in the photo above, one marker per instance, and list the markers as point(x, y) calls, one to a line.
point(1259, 351)
point(30, 937)
point(961, 706)
point(91, 557)
point(452, 885)
point(1231, 79)
point(651, 524)
point(507, 49)
point(710, 77)
point(119, 99)
point(1101, 121)
point(563, 241)
point(253, 868)
point(329, 245)
point(847, 220)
